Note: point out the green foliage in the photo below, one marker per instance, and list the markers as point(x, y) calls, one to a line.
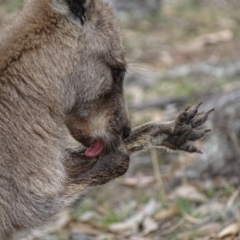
point(110, 217)
point(189, 5)
point(11, 5)
point(84, 206)
point(184, 206)
point(228, 190)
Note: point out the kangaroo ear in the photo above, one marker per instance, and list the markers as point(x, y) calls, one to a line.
point(77, 8)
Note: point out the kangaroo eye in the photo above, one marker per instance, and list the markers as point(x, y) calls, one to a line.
point(118, 75)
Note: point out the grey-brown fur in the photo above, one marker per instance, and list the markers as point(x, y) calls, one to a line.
point(61, 75)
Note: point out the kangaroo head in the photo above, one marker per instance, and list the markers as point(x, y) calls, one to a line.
point(75, 48)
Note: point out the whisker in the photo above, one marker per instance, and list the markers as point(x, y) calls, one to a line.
point(137, 73)
point(146, 75)
point(142, 68)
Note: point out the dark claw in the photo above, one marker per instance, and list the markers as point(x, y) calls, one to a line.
point(200, 118)
point(199, 105)
point(191, 112)
point(207, 130)
point(200, 152)
point(210, 111)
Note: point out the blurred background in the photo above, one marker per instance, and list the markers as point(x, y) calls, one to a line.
point(180, 53)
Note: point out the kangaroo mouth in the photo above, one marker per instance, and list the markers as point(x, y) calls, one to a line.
point(95, 149)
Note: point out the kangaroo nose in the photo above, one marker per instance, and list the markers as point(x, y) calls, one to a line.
point(126, 132)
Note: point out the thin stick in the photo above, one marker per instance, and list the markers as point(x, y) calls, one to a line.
point(157, 174)
point(183, 168)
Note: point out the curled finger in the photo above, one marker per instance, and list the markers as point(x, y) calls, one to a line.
point(191, 112)
point(198, 134)
point(190, 148)
point(200, 118)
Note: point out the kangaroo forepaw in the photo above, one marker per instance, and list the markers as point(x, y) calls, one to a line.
point(185, 132)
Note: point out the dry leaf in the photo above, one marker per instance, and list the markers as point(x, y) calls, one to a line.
point(132, 224)
point(214, 38)
point(139, 238)
point(209, 208)
point(167, 213)
point(188, 192)
point(88, 216)
point(149, 226)
point(86, 229)
point(141, 181)
point(232, 199)
point(191, 219)
point(231, 229)
point(209, 229)
point(206, 39)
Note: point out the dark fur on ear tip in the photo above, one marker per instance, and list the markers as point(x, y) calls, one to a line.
point(78, 9)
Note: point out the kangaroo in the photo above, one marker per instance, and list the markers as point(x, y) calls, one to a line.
point(62, 69)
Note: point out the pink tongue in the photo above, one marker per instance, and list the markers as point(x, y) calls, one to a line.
point(95, 149)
